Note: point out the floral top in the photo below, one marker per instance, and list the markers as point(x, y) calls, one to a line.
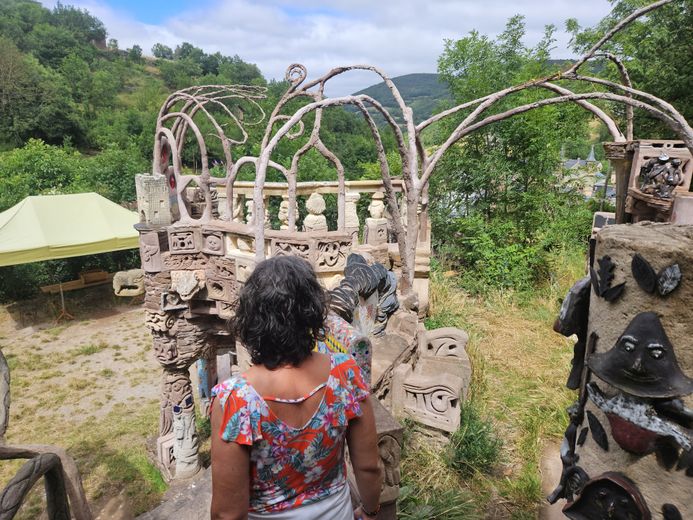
point(293, 466)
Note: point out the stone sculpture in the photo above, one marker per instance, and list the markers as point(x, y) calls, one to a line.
point(129, 283)
point(376, 229)
point(185, 440)
point(315, 221)
point(283, 214)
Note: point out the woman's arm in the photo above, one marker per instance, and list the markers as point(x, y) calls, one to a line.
point(362, 440)
point(230, 474)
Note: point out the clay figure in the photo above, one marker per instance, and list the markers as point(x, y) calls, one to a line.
point(609, 496)
point(643, 362)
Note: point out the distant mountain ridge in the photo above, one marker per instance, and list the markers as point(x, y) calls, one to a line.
point(423, 92)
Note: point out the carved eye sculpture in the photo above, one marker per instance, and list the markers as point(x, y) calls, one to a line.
point(628, 344)
point(656, 350)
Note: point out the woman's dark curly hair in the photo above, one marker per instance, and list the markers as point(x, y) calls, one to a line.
point(280, 312)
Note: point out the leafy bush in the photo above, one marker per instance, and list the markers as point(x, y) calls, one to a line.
point(474, 447)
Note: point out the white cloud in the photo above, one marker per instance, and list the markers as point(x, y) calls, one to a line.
point(399, 36)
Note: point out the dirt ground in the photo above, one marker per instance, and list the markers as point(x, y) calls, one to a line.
point(90, 385)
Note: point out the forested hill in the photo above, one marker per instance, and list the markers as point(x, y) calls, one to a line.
point(77, 112)
point(423, 92)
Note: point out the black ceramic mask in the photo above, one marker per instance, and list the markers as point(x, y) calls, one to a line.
point(609, 496)
point(643, 362)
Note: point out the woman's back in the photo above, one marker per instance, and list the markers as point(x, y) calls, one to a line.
point(297, 454)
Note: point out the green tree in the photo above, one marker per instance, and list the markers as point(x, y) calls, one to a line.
point(112, 173)
point(76, 71)
point(51, 44)
point(494, 196)
point(80, 23)
point(35, 169)
point(161, 51)
point(657, 51)
point(135, 54)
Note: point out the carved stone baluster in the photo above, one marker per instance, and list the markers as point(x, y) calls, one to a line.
point(237, 212)
point(315, 220)
point(284, 212)
point(351, 218)
point(267, 222)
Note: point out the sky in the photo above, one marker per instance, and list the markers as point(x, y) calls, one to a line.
point(398, 36)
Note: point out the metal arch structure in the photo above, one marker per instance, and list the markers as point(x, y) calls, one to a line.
point(177, 118)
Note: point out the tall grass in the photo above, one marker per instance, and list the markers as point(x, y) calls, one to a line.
point(517, 398)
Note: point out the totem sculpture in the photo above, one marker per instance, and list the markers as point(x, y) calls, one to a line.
point(628, 450)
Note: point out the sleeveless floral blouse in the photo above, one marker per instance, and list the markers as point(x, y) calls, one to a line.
point(290, 466)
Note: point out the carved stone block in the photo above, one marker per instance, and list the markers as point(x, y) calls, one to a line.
point(159, 321)
point(288, 247)
point(224, 310)
point(444, 342)
point(224, 290)
point(221, 267)
point(331, 255)
point(431, 397)
point(187, 283)
point(171, 301)
point(150, 252)
point(243, 269)
point(213, 242)
point(184, 240)
point(375, 232)
point(164, 454)
point(390, 442)
point(184, 261)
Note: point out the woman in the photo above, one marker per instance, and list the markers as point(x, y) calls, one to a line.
point(278, 430)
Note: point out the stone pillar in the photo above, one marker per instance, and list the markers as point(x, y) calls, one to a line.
point(621, 159)
point(630, 440)
point(315, 220)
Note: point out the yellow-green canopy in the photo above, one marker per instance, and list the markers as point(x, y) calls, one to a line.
point(47, 227)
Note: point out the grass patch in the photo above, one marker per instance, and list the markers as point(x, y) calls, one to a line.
point(517, 391)
point(89, 349)
point(106, 372)
point(474, 447)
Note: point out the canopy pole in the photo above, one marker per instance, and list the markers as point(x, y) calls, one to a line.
point(63, 312)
